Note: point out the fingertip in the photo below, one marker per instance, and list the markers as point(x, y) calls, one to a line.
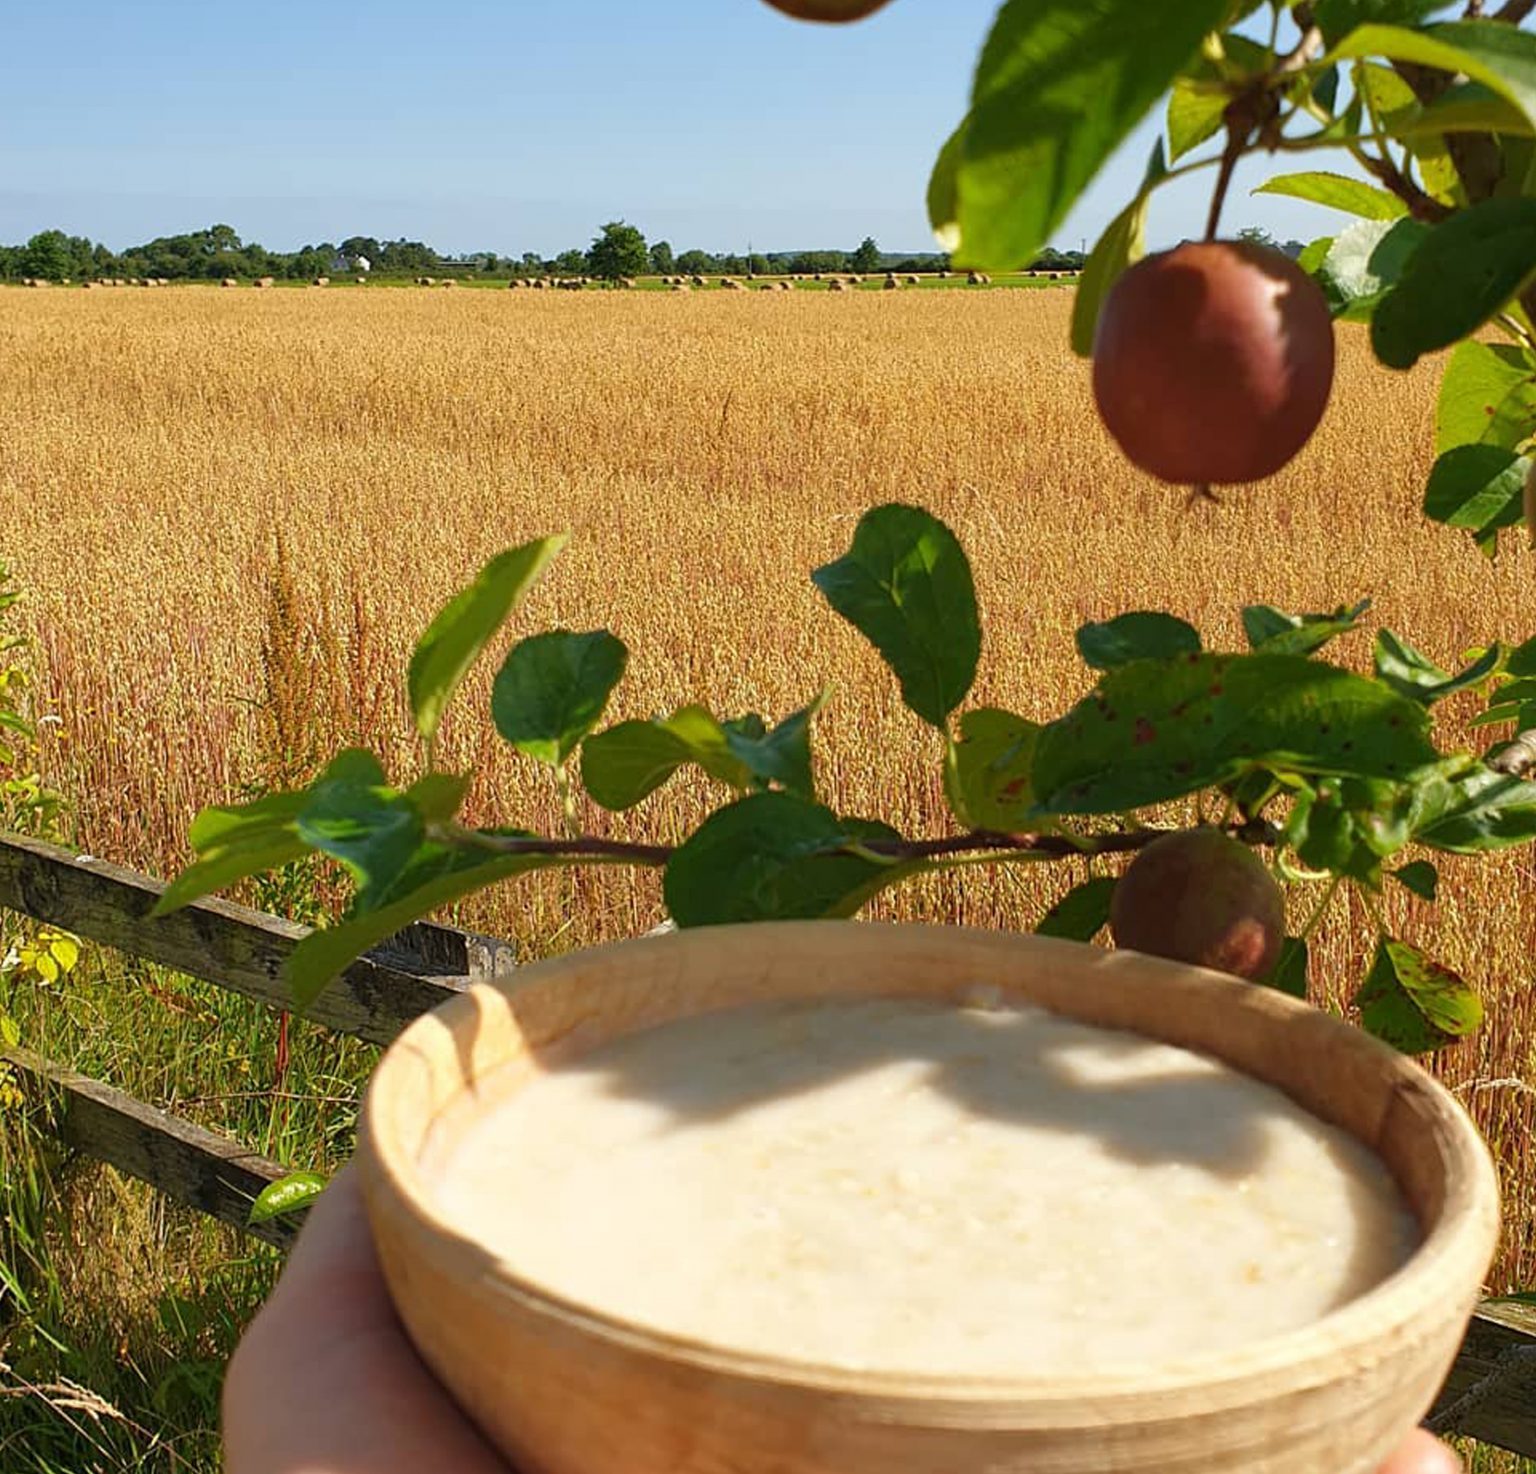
point(1423, 1454)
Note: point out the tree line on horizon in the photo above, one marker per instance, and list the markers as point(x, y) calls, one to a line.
point(618, 250)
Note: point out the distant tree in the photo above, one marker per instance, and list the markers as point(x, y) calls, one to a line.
point(867, 257)
point(489, 261)
point(618, 251)
point(405, 256)
point(732, 265)
point(808, 263)
point(219, 240)
point(662, 261)
point(701, 263)
point(758, 264)
point(50, 254)
point(362, 245)
point(532, 264)
point(1256, 235)
point(569, 263)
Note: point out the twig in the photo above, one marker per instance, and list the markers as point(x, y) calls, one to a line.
point(582, 847)
point(896, 851)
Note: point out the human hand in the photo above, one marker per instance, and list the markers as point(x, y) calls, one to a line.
point(325, 1381)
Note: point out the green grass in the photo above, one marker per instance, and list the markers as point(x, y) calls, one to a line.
point(118, 1310)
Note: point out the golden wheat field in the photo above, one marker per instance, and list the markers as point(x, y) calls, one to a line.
point(233, 513)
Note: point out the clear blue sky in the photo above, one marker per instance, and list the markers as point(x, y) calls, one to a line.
point(507, 125)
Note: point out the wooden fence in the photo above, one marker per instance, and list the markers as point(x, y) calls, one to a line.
point(1490, 1394)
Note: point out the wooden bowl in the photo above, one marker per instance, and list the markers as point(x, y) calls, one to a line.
point(562, 1389)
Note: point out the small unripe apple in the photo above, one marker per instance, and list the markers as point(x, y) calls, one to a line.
point(1198, 896)
point(1213, 362)
point(829, 10)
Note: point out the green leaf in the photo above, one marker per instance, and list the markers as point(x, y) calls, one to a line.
point(1271, 631)
point(1195, 113)
point(368, 827)
point(1337, 192)
point(1464, 271)
point(1349, 829)
point(1414, 675)
point(1488, 396)
point(1314, 254)
point(1364, 262)
point(1156, 730)
point(1466, 107)
point(1479, 810)
point(1082, 913)
point(782, 756)
point(1142, 635)
point(1481, 487)
point(1290, 974)
point(988, 778)
point(906, 586)
point(235, 841)
point(1521, 661)
point(437, 797)
point(1413, 1003)
point(466, 623)
point(1124, 241)
point(630, 761)
point(1336, 18)
point(1420, 877)
point(943, 191)
point(436, 875)
point(1059, 86)
point(288, 1194)
point(772, 857)
point(1499, 56)
point(552, 690)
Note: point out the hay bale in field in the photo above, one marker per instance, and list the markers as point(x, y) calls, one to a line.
point(766, 286)
point(263, 282)
point(117, 281)
point(90, 286)
point(628, 283)
point(787, 286)
point(165, 281)
point(731, 285)
point(945, 275)
point(542, 284)
point(891, 284)
point(322, 281)
point(837, 286)
point(855, 280)
point(681, 286)
point(229, 281)
point(911, 281)
point(979, 279)
point(447, 281)
point(699, 281)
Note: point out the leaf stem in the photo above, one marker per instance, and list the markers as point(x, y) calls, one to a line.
point(584, 847)
point(974, 846)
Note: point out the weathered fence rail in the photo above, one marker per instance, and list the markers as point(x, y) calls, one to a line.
point(1490, 1393)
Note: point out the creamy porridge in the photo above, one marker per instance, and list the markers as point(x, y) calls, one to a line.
point(903, 1185)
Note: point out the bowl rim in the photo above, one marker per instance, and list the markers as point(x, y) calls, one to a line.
point(1459, 1243)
